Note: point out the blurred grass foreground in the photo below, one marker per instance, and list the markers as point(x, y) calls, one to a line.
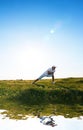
point(65, 97)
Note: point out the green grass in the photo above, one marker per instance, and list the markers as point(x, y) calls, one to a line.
point(65, 97)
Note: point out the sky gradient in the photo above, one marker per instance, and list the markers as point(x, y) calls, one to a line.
point(36, 34)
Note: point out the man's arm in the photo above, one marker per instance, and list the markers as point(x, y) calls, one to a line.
point(51, 73)
point(52, 78)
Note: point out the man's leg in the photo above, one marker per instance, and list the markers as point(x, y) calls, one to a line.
point(35, 81)
point(38, 78)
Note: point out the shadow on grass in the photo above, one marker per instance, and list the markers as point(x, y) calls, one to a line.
point(39, 85)
point(34, 96)
point(59, 85)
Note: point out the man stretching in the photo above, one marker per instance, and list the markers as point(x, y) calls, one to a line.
point(48, 73)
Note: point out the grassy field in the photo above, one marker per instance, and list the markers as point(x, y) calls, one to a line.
point(65, 97)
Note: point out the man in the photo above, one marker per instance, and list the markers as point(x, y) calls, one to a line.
point(48, 73)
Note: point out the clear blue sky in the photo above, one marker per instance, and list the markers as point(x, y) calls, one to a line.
point(36, 34)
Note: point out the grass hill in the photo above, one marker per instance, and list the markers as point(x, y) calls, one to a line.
point(20, 96)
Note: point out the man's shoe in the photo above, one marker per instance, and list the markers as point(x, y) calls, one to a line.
point(53, 82)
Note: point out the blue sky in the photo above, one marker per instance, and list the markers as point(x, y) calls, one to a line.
point(36, 34)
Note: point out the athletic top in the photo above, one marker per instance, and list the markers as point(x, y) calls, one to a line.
point(50, 70)
point(46, 74)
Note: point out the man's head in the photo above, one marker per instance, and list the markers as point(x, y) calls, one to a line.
point(53, 67)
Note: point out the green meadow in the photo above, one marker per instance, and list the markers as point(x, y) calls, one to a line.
point(21, 98)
